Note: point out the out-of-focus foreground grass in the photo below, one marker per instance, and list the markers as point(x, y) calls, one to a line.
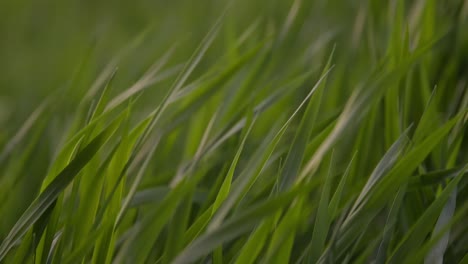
point(261, 131)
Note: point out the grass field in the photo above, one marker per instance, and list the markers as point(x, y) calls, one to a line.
point(245, 131)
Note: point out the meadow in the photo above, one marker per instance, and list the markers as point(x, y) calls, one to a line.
point(244, 131)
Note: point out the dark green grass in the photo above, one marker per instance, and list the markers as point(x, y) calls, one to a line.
point(233, 132)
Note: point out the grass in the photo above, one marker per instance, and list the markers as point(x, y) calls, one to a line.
point(241, 132)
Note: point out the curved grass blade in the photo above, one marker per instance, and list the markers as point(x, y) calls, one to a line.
point(246, 182)
point(323, 218)
point(52, 191)
point(404, 168)
point(418, 232)
point(25, 128)
point(226, 186)
point(436, 255)
point(238, 224)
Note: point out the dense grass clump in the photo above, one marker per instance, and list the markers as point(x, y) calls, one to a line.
point(265, 131)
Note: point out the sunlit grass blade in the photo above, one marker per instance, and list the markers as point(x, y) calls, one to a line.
point(51, 192)
point(246, 181)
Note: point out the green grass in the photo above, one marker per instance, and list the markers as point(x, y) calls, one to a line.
point(234, 131)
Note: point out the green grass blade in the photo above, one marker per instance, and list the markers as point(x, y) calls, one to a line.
point(50, 194)
point(425, 223)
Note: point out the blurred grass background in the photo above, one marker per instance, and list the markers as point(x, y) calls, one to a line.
point(43, 42)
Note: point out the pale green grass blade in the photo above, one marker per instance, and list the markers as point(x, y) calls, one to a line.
point(437, 237)
point(424, 225)
point(296, 153)
point(385, 164)
point(149, 78)
point(436, 255)
point(22, 132)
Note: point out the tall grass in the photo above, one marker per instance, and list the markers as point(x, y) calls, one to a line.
point(241, 132)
